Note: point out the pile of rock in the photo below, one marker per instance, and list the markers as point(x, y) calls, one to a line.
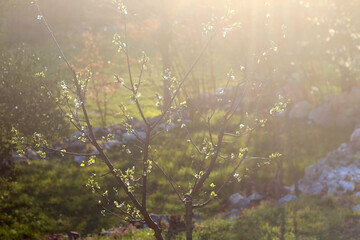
point(337, 173)
point(337, 111)
point(237, 202)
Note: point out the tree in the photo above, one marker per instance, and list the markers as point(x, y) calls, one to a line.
point(219, 121)
point(24, 105)
point(89, 61)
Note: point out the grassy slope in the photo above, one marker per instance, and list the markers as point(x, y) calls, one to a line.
point(310, 218)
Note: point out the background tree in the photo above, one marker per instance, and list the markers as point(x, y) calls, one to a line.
point(91, 62)
point(24, 104)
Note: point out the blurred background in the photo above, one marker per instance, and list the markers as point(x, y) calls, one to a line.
point(306, 51)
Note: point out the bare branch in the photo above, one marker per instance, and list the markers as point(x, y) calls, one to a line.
point(183, 80)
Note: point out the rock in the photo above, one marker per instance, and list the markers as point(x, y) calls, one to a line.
point(18, 159)
point(290, 189)
point(117, 127)
point(76, 146)
point(343, 147)
point(255, 196)
point(237, 200)
point(347, 186)
point(137, 124)
point(100, 132)
point(130, 137)
point(356, 208)
point(113, 144)
point(332, 187)
point(287, 198)
point(31, 154)
point(313, 171)
point(300, 110)
point(337, 173)
point(79, 159)
point(315, 188)
point(357, 194)
point(355, 139)
point(169, 126)
point(76, 135)
point(234, 198)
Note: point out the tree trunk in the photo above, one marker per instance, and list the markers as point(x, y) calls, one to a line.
point(158, 235)
point(188, 217)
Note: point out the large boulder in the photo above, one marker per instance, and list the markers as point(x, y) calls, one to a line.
point(287, 198)
point(337, 173)
point(31, 154)
point(111, 144)
point(355, 140)
point(239, 201)
point(76, 146)
point(130, 137)
point(100, 132)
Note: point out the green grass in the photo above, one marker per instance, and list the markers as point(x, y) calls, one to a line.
point(309, 218)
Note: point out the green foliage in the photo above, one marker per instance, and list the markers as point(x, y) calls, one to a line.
point(24, 103)
point(308, 218)
point(46, 198)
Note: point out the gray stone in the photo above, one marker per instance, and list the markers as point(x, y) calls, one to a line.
point(243, 203)
point(347, 186)
point(170, 126)
point(315, 188)
point(100, 132)
point(31, 154)
point(234, 198)
point(130, 137)
point(76, 146)
point(76, 134)
point(355, 139)
point(113, 144)
point(332, 189)
point(19, 159)
point(342, 147)
point(287, 198)
point(356, 208)
point(255, 196)
point(357, 194)
point(237, 200)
